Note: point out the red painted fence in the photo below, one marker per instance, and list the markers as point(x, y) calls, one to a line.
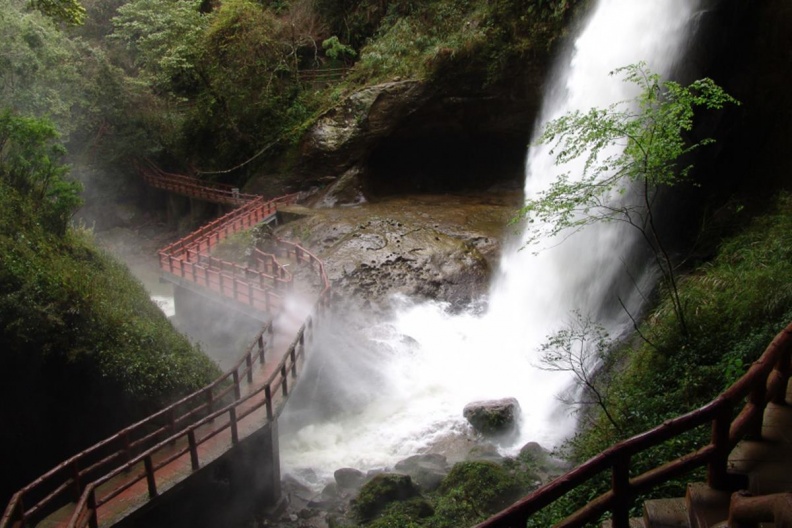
point(95, 485)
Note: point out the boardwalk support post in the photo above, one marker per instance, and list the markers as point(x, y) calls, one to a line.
point(152, 483)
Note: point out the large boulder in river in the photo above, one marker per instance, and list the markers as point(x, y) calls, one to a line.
point(493, 417)
point(349, 478)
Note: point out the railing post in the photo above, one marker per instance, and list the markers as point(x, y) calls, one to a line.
point(234, 431)
point(261, 348)
point(152, 483)
point(268, 397)
point(93, 518)
point(237, 390)
point(193, 450)
point(209, 401)
point(171, 421)
point(285, 376)
point(293, 356)
point(620, 482)
point(249, 365)
point(717, 477)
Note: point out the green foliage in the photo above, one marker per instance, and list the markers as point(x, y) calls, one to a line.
point(412, 45)
point(404, 514)
point(163, 38)
point(738, 302)
point(39, 66)
point(471, 492)
point(474, 490)
point(629, 150)
point(639, 141)
point(336, 50)
point(30, 163)
point(62, 300)
point(69, 11)
point(383, 489)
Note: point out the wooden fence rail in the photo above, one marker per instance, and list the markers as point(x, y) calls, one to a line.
point(56, 487)
point(190, 186)
point(765, 382)
point(140, 451)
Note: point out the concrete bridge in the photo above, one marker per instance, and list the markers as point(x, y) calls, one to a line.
point(232, 421)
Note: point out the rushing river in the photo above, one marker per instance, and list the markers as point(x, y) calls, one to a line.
point(384, 390)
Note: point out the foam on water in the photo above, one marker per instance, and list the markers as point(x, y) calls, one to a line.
point(384, 390)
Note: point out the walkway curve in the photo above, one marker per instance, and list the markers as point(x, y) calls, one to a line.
point(111, 479)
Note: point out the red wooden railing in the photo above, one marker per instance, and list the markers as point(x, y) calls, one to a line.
point(260, 287)
point(766, 381)
point(97, 477)
point(66, 482)
point(193, 187)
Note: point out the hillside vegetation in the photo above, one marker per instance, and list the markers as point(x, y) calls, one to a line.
point(213, 86)
point(83, 350)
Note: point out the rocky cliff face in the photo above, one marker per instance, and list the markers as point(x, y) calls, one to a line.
point(443, 135)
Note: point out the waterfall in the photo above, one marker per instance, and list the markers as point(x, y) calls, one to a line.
point(407, 380)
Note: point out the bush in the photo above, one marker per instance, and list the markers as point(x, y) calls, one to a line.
point(383, 489)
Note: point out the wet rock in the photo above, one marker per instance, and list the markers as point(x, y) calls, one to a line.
point(342, 136)
point(427, 470)
point(346, 190)
point(532, 450)
point(374, 251)
point(494, 417)
point(484, 453)
point(349, 478)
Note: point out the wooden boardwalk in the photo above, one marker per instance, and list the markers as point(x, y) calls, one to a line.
point(114, 478)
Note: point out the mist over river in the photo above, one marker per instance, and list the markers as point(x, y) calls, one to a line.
point(377, 391)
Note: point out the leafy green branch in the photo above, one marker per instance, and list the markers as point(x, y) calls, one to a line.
point(627, 152)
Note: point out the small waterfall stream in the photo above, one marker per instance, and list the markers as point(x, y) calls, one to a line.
point(402, 383)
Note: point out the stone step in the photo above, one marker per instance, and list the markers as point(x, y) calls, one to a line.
point(666, 513)
point(767, 462)
point(706, 507)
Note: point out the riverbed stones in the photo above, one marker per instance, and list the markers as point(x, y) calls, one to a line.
point(349, 478)
point(426, 470)
point(493, 417)
point(439, 248)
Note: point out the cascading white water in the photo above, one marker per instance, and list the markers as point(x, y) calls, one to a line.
point(400, 386)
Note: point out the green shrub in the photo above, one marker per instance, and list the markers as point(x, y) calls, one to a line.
point(383, 489)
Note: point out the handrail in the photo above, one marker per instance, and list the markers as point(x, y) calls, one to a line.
point(765, 382)
point(131, 438)
point(74, 478)
point(189, 259)
point(86, 512)
point(323, 74)
point(190, 186)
